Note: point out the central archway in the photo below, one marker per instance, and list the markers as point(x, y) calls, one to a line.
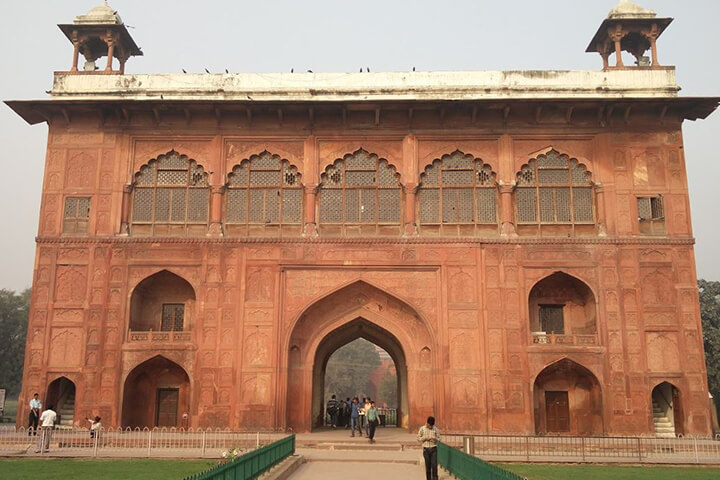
point(353, 311)
point(358, 328)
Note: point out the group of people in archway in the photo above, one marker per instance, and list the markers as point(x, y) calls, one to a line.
point(353, 415)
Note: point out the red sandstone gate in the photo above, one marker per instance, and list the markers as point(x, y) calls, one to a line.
point(353, 311)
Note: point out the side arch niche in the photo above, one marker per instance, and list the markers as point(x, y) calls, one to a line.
point(359, 310)
point(668, 412)
point(156, 394)
point(562, 310)
point(567, 400)
point(61, 395)
point(163, 302)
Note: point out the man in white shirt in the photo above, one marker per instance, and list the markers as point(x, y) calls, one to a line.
point(34, 416)
point(47, 425)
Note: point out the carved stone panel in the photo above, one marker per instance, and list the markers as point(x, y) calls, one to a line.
point(66, 347)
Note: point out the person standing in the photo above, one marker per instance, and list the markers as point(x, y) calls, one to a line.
point(34, 416)
point(373, 418)
point(429, 436)
point(47, 425)
point(355, 417)
point(332, 410)
point(346, 413)
point(363, 413)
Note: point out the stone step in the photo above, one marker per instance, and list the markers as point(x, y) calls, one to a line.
point(361, 444)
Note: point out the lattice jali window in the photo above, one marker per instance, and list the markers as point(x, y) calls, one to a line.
point(552, 319)
point(554, 189)
point(457, 189)
point(360, 194)
point(173, 317)
point(651, 214)
point(76, 215)
point(263, 195)
point(171, 196)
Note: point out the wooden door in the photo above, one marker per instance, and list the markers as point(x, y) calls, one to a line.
point(557, 412)
point(167, 407)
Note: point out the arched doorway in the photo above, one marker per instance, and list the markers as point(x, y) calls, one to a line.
point(359, 310)
point(163, 302)
point(667, 410)
point(61, 395)
point(156, 394)
point(358, 328)
point(562, 309)
point(567, 400)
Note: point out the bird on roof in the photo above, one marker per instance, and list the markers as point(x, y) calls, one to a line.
point(184, 71)
point(292, 70)
point(413, 69)
point(207, 71)
point(360, 69)
point(226, 71)
point(367, 69)
point(310, 71)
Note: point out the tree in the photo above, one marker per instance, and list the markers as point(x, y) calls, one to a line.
point(14, 309)
point(387, 392)
point(710, 313)
point(348, 371)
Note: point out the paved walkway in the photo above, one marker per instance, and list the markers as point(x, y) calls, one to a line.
point(371, 464)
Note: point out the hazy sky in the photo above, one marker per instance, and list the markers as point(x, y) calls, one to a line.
point(338, 36)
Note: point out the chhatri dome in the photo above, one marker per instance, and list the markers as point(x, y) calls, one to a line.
point(625, 9)
point(102, 14)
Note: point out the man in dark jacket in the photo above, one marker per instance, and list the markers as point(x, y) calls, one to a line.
point(332, 409)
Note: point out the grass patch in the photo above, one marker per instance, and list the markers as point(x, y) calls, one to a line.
point(105, 469)
point(612, 472)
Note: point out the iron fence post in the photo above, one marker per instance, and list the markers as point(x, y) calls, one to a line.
point(149, 445)
point(203, 443)
point(697, 456)
point(582, 446)
point(639, 449)
point(527, 448)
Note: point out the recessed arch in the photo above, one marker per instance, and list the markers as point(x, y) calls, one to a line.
point(567, 400)
point(60, 394)
point(391, 323)
point(372, 332)
point(156, 393)
point(562, 309)
point(170, 196)
point(163, 301)
point(666, 401)
point(360, 194)
point(458, 195)
point(555, 194)
point(263, 196)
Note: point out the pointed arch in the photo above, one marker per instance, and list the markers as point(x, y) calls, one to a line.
point(361, 309)
point(171, 196)
point(263, 195)
point(162, 302)
point(668, 415)
point(562, 309)
point(156, 393)
point(458, 195)
point(567, 399)
point(60, 394)
point(360, 194)
point(554, 189)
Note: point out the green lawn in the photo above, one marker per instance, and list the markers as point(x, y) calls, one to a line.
point(611, 472)
point(73, 469)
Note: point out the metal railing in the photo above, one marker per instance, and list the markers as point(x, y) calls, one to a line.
point(468, 467)
point(539, 338)
point(588, 449)
point(158, 337)
point(157, 442)
point(252, 464)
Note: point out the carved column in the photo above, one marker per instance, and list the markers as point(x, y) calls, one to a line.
point(125, 212)
point(617, 36)
point(652, 37)
point(216, 198)
point(600, 197)
point(309, 223)
point(409, 222)
point(111, 51)
point(507, 223)
point(604, 51)
point(311, 177)
point(76, 52)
